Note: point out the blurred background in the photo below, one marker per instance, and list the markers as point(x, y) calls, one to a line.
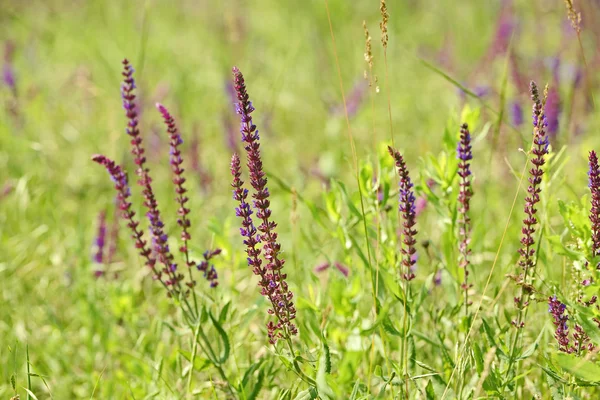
point(60, 103)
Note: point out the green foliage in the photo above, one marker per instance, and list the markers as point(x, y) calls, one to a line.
point(367, 335)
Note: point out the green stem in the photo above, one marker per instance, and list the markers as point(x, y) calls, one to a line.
point(297, 367)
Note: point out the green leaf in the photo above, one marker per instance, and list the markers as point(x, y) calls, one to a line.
point(429, 391)
point(30, 393)
point(223, 313)
point(478, 355)
point(531, 348)
point(325, 391)
point(584, 317)
point(491, 337)
point(308, 394)
point(354, 394)
point(250, 371)
point(226, 346)
point(579, 367)
point(556, 389)
point(257, 386)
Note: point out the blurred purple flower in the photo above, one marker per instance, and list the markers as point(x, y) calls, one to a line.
point(322, 267)
point(354, 100)
point(205, 177)
point(230, 133)
point(100, 240)
point(342, 268)
point(437, 280)
point(114, 238)
point(8, 76)
point(481, 91)
point(420, 205)
point(8, 72)
point(516, 113)
point(505, 26)
point(553, 110)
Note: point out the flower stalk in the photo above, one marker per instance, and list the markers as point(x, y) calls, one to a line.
point(465, 193)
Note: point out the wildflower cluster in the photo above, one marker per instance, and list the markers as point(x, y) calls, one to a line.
point(158, 255)
point(581, 340)
point(261, 241)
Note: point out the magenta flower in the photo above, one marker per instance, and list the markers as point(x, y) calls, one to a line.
point(342, 268)
point(322, 267)
point(273, 280)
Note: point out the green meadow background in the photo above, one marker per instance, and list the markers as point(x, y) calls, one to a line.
point(118, 337)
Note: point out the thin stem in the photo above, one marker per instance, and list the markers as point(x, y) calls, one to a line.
point(587, 74)
point(354, 156)
point(193, 358)
point(297, 367)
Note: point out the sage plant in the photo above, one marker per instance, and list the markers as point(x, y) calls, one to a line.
point(465, 193)
point(594, 185)
point(157, 253)
point(261, 241)
point(183, 221)
point(406, 204)
point(539, 150)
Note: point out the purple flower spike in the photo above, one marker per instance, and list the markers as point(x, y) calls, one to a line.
point(123, 193)
point(557, 309)
point(180, 191)
point(539, 151)
point(465, 193)
point(594, 185)
point(408, 211)
point(159, 238)
point(273, 280)
point(100, 239)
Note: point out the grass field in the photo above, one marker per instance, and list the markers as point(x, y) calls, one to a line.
point(78, 324)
